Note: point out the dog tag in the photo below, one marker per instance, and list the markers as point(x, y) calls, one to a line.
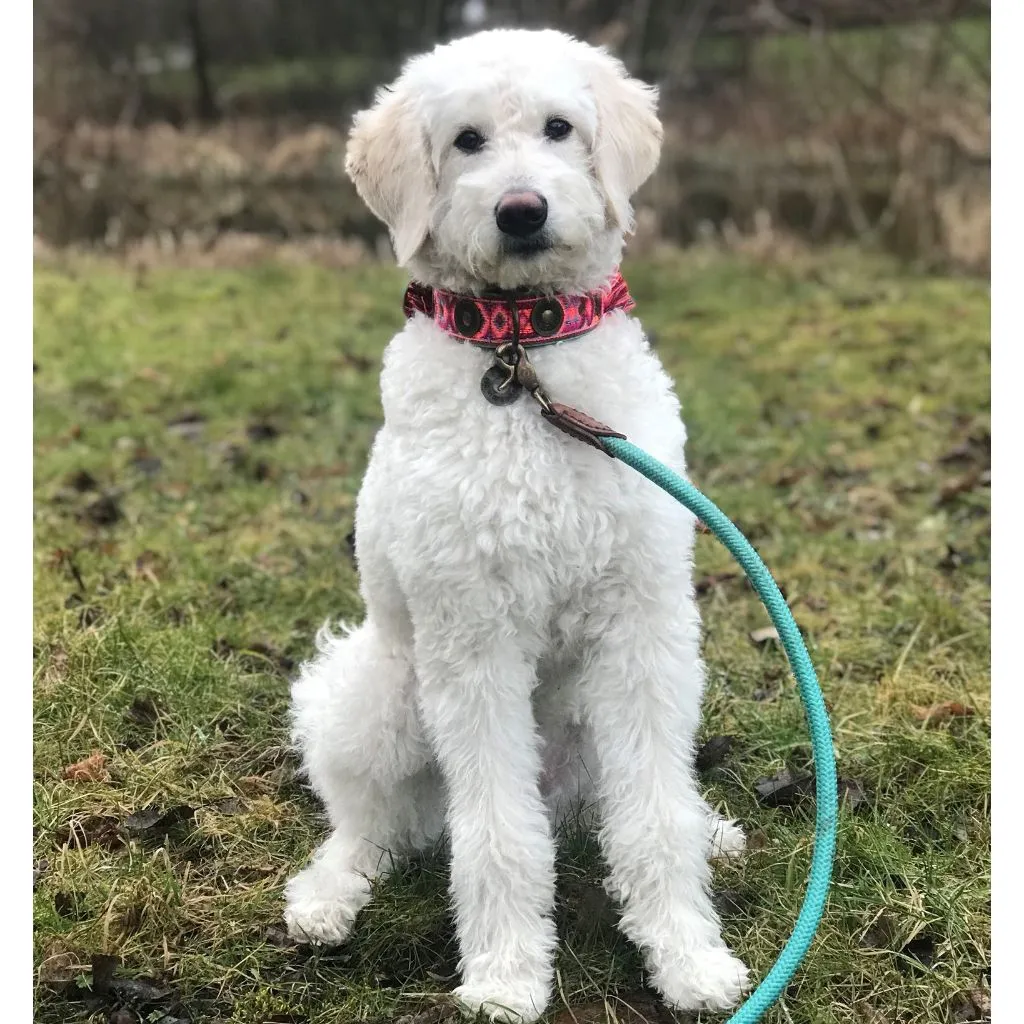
point(499, 386)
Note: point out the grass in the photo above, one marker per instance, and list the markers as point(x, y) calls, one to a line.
point(838, 409)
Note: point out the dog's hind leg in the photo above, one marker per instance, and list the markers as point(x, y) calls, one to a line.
point(355, 724)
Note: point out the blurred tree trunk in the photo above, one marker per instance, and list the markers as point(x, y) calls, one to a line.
point(206, 100)
point(636, 54)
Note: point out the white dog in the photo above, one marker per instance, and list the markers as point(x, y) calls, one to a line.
point(531, 638)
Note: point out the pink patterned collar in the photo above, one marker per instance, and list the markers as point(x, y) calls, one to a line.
point(541, 319)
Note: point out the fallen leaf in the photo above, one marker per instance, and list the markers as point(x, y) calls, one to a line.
point(713, 752)
point(130, 921)
point(176, 616)
point(757, 840)
point(261, 431)
point(235, 455)
point(40, 869)
point(589, 910)
point(59, 969)
point(638, 1008)
point(149, 565)
point(104, 511)
point(253, 657)
point(730, 902)
point(783, 789)
point(90, 769)
point(82, 480)
point(89, 617)
point(67, 906)
point(975, 449)
point(266, 652)
point(790, 475)
point(106, 990)
point(143, 710)
point(436, 1014)
point(187, 424)
point(763, 635)
point(953, 560)
point(279, 565)
point(277, 935)
point(957, 485)
point(151, 818)
point(356, 361)
point(713, 580)
point(921, 949)
point(255, 785)
point(325, 472)
point(871, 500)
point(140, 991)
point(90, 830)
point(935, 714)
point(229, 727)
point(881, 933)
point(178, 489)
point(148, 465)
point(230, 805)
point(852, 793)
point(106, 985)
point(103, 968)
point(970, 1006)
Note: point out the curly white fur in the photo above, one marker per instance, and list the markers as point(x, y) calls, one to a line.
point(531, 639)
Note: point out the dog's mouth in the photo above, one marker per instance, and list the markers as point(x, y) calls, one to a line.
point(522, 248)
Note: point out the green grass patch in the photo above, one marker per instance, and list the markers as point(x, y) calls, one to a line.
point(200, 436)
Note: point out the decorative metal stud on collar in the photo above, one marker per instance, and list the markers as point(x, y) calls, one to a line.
point(492, 321)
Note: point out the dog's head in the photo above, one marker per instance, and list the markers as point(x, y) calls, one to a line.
point(507, 158)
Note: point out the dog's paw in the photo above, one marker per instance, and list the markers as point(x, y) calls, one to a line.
point(503, 1001)
point(323, 909)
point(728, 840)
point(709, 979)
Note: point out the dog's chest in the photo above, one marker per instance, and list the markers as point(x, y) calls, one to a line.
point(500, 486)
point(517, 489)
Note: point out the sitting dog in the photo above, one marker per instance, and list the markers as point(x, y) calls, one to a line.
point(531, 641)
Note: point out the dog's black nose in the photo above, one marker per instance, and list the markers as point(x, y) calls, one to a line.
point(521, 214)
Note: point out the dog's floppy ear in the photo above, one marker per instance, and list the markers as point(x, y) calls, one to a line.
point(386, 159)
point(628, 141)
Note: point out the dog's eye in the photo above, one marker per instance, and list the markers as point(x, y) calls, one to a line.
point(469, 141)
point(557, 128)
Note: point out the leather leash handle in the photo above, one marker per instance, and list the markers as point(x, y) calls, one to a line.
point(579, 425)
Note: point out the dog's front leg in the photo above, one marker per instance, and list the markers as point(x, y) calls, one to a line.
point(475, 702)
point(642, 690)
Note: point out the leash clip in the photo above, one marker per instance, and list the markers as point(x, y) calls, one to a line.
point(500, 384)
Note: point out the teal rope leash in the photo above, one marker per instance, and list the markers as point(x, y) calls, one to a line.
point(814, 707)
point(512, 371)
